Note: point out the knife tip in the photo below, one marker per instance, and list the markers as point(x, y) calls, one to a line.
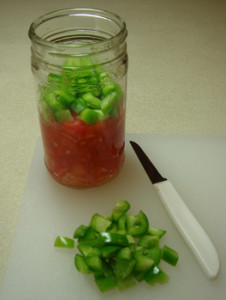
point(133, 143)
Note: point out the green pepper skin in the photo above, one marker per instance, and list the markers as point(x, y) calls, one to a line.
point(105, 283)
point(123, 268)
point(64, 242)
point(99, 223)
point(80, 231)
point(169, 255)
point(156, 275)
point(81, 265)
point(113, 238)
point(138, 225)
point(156, 231)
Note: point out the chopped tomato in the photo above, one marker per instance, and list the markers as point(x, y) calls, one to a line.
point(78, 154)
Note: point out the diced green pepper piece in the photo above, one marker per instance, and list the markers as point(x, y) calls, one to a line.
point(123, 268)
point(52, 102)
point(98, 274)
point(105, 283)
point(107, 267)
point(64, 242)
point(66, 95)
point(100, 115)
point(104, 77)
point(113, 228)
point(169, 255)
point(63, 115)
point(156, 275)
point(79, 105)
point(108, 102)
point(139, 275)
point(80, 231)
point(81, 265)
point(109, 251)
point(121, 207)
point(143, 263)
point(126, 283)
point(91, 100)
point(154, 254)
point(108, 217)
point(113, 238)
point(156, 231)
point(89, 116)
point(99, 223)
point(125, 253)
point(122, 224)
point(118, 89)
point(108, 88)
point(94, 263)
point(136, 249)
point(148, 241)
point(131, 239)
point(116, 214)
point(88, 250)
point(137, 225)
point(90, 235)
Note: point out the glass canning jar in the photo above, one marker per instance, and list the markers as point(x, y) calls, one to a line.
point(79, 61)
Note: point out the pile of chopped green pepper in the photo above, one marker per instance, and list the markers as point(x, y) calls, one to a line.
point(81, 88)
point(120, 249)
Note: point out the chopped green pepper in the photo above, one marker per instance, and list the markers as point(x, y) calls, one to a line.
point(121, 207)
point(125, 283)
point(91, 100)
point(89, 115)
point(63, 115)
point(156, 275)
point(123, 268)
point(99, 223)
point(170, 255)
point(105, 283)
point(94, 263)
point(88, 250)
point(81, 265)
point(113, 238)
point(108, 102)
point(109, 251)
point(82, 84)
point(143, 263)
point(125, 253)
point(154, 254)
point(156, 231)
point(137, 225)
point(64, 242)
point(119, 259)
point(80, 231)
point(148, 241)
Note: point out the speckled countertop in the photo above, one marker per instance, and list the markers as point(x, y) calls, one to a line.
point(176, 81)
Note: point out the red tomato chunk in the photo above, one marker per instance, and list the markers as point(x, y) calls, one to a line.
point(81, 155)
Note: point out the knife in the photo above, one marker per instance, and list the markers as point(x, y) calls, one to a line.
point(189, 228)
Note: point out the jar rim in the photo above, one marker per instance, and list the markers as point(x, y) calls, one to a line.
point(118, 37)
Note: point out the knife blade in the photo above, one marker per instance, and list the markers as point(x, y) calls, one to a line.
point(187, 225)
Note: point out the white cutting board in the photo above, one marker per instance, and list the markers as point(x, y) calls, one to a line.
point(196, 165)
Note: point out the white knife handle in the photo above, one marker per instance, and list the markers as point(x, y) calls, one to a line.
point(190, 229)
